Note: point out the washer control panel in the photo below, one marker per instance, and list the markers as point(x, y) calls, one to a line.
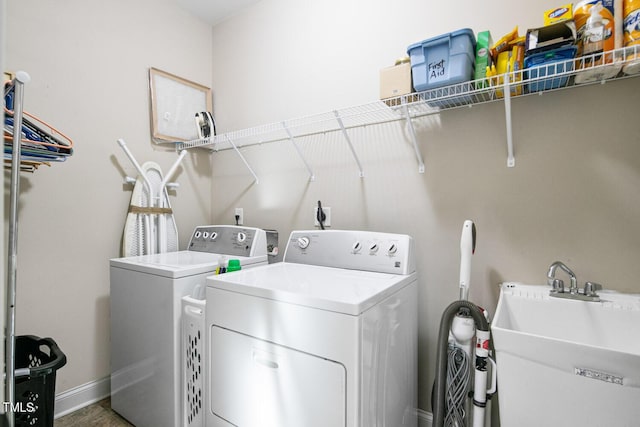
point(356, 250)
point(229, 240)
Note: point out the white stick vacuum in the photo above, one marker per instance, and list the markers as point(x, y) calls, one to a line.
point(454, 405)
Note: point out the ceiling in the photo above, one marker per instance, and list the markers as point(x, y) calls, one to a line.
point(214, 11)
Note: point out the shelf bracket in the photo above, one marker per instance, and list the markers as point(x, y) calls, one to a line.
point(346, 136)
point(312, 177)
point(511, 161)
point(255, 177)
point(414, 140)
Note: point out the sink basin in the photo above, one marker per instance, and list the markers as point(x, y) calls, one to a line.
point(564, 362)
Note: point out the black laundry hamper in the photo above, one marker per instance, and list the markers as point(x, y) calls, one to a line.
point(36, 361)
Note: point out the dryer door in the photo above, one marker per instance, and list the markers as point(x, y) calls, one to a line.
point(254, 383)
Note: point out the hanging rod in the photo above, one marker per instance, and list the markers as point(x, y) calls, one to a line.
point(380, 114)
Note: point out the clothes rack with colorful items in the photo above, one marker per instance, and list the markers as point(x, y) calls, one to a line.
point(37, 143)
point(40, 143)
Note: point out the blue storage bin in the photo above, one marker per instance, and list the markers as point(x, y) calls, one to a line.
point(544, 65)
point(444, 60)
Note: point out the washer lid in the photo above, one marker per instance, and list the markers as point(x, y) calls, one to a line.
point(181, 263)
point(327, 288)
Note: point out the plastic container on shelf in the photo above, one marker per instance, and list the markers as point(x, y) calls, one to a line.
point(593, 34)
point(444, 60)
point(632, 35)
point(631, 21)
point(581, 16)
point(541, 68)
point(36, 361)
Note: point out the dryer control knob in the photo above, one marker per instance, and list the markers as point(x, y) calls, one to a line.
point(303, 242)
point(357, 247)
point(214, 235)
point(393, 248)
point(241, 237)
point(373, 248)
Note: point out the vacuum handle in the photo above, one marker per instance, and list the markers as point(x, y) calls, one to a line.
point(467, 248)
point(494, 376)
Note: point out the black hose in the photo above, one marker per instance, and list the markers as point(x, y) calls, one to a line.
point(440, 384)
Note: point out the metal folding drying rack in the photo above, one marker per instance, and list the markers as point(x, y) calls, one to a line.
point(10, 363)
point(18, 142)
point(599, 68)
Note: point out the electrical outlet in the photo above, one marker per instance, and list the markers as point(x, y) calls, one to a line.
point(327, 214)
point(239, 214)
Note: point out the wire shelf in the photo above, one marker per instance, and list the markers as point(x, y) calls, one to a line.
point(560, 75)
point(548, 76)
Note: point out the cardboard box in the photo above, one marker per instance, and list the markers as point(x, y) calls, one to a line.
point(550, 37)
point(395, 81)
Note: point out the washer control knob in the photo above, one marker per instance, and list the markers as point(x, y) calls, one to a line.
point(241, 237)
point(303, 242)
point(214, 235)
point(205, 235)
point(393, 248)
point(197, 234)
point(373, 248)
point(357, 247)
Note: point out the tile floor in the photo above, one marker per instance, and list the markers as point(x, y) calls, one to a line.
point(99, 414)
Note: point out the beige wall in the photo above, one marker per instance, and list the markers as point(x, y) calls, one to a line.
point(89, 62)
point(573, 195)
point(3, 21)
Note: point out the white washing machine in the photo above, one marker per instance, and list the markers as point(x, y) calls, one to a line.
point(146, 293)
point(326, 338)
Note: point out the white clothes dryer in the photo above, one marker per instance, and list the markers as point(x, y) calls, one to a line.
point(146, 294)
point(326, 338)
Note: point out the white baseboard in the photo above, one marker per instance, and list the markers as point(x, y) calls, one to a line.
point(425, 419)
point(86, 394)
point(81, 396)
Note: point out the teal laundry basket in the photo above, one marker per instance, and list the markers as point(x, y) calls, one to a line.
point(36, 362)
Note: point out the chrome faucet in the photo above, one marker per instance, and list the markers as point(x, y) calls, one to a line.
point(555, 283)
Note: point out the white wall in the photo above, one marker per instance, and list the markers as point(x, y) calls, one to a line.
point(89, 63)
point(573, 195)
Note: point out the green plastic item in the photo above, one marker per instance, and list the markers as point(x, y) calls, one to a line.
point(234, 265)
point(483, 58)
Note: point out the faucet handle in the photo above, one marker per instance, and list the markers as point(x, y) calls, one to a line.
point(557, 286)
point(590, 289)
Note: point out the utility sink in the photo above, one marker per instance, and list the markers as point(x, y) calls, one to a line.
point(564, 362)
